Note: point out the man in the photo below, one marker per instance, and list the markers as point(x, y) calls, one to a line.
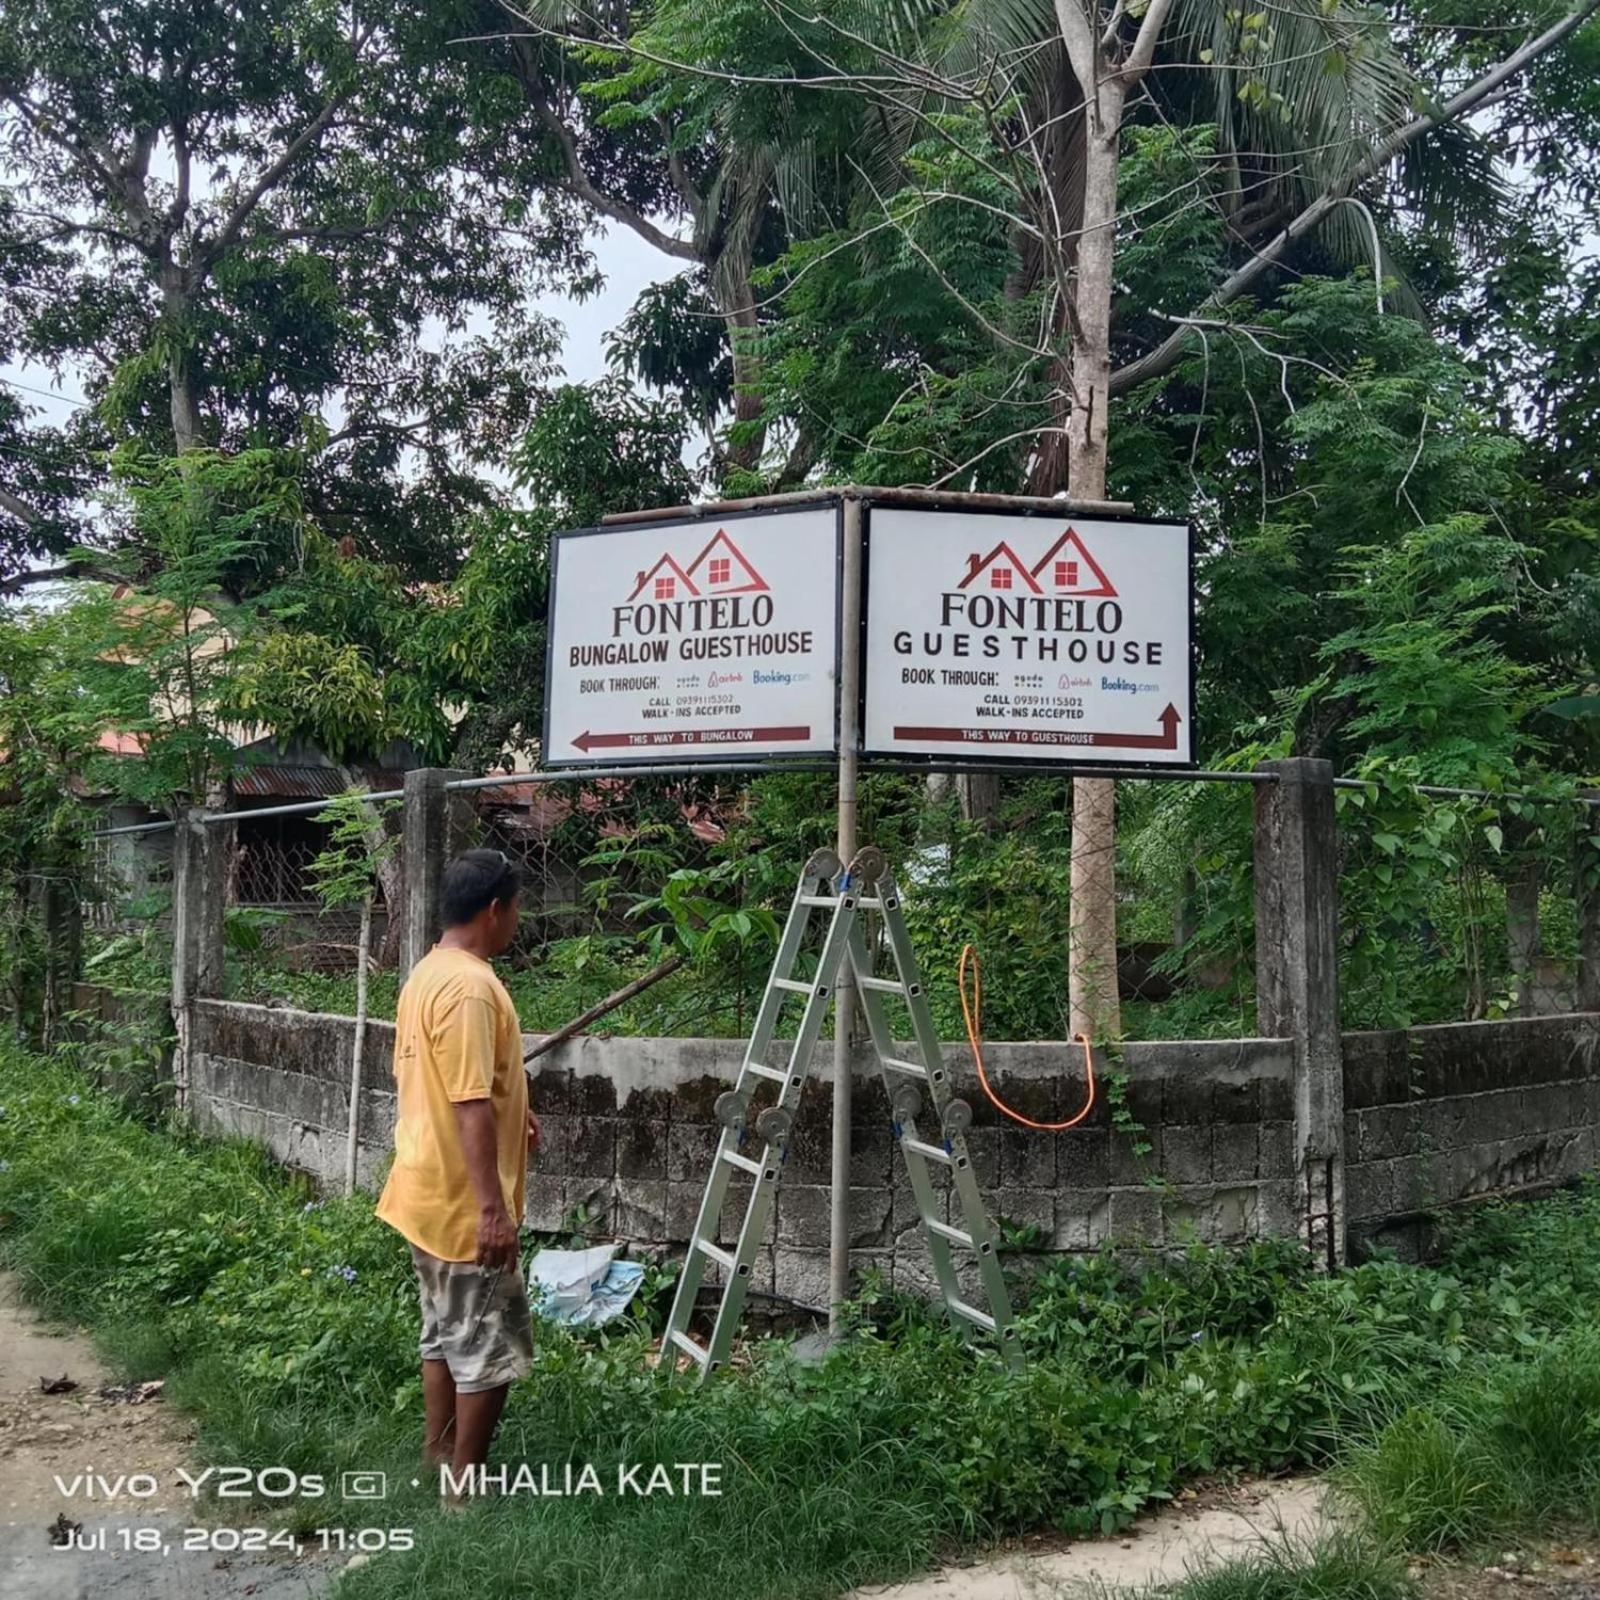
point(462, 1140)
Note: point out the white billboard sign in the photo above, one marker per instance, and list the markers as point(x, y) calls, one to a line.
point(700, 639)
point(1028, 636)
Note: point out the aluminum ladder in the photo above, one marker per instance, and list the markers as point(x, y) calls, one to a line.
point(759, 1145)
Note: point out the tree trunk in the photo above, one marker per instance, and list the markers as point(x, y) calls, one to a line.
point(188, 426)
point(186, 421)
point(980, 798)
point(735, 295)
point(363, 949)
point(1093, 1000)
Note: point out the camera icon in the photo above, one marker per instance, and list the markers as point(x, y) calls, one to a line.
point(363, 1485)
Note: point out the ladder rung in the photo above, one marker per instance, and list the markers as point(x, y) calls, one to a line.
point(723, 1258)
point(870, 903)
point(911, 1069)
point(689, 1347)
point(743, 1163)
point(793, 985)
point(761, 1070)
point(930, 1152)
point(819, 899)
point(882, 985)
point(960, 1308)
point(954, 1235)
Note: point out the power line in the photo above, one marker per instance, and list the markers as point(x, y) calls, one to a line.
point(49, 394)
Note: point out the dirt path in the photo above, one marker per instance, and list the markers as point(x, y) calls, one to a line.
point(46, 1437)
point(1202, 1531)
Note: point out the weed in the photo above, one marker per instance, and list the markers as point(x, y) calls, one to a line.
point(1341, 1566)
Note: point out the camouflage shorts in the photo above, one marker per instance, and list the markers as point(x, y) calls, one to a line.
point(476, 1320)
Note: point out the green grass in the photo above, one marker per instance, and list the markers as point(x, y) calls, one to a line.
point(1510, 1450)
point(1340, 1566)
point(205, 1263)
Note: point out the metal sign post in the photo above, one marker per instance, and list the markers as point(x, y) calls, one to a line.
point(844, 992)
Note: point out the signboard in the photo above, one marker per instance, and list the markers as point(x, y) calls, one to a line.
point(701, 639)
point(1028, 636)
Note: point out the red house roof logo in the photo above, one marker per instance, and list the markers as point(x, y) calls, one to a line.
point(720, 568)
point(1001, 569)
point(666, 580)
point(1068, 568)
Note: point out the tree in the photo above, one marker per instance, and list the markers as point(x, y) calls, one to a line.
point(189, 671)
point(51, 722)
point(252, 214)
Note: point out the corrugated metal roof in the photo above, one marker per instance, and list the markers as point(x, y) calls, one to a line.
point(270, 781)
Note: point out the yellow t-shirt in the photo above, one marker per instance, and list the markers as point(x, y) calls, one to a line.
point(456, 1038)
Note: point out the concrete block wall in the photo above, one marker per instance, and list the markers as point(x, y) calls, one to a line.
point(631, 1131)
point(1434, 1118)
point(1438, 1117)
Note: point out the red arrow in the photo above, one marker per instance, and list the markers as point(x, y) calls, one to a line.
point(1167, 739)
point(655, 738)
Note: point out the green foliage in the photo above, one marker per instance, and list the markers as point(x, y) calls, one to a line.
point(345, 872)
point(598, 447)
point(1424, 674)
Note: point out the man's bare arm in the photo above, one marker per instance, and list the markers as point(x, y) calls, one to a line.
point(497, 1229)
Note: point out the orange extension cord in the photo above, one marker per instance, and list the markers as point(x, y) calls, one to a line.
point(973, 1013)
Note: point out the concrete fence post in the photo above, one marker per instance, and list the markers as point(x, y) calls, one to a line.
point(199, 879)
point(436, 823)
point(1297, 978)
point(1587, 892)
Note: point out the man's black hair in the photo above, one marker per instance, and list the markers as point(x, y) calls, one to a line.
point(473, 882)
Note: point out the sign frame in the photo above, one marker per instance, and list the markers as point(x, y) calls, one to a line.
point(667, 756)
point(970, 761)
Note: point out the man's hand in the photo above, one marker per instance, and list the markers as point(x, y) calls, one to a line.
point(535, 1135)
point(497, 1238)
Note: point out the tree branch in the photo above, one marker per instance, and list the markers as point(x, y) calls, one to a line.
point(268, 179)
point(20, 509)
point(582, 187)
point(1167, 354)
point(1144, 44)
point(18, 581)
